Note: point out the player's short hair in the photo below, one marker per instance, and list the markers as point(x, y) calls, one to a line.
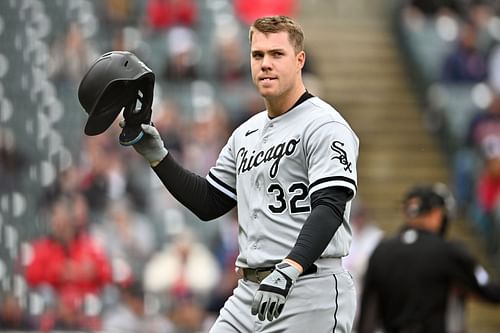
point(280, 23)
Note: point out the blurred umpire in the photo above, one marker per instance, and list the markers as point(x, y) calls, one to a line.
point(411, 276)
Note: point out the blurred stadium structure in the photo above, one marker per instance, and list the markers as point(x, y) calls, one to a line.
point(37, 134)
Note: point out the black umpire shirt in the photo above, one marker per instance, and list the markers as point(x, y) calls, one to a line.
point(409, 278)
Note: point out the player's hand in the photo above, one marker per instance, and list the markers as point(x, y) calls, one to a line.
point(273, 291)
point(150, 146)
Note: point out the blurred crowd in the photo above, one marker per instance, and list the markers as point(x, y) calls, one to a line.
point(114, 251)
point(456, 45)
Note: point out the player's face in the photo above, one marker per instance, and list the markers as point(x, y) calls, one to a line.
point(275, 66)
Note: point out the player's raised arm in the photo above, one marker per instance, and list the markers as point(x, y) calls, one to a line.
point(119, 80)
point(191, 190)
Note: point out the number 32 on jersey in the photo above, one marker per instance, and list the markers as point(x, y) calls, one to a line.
point(293, 197)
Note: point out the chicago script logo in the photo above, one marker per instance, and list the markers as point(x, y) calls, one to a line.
point(336, 146)
point(247, 161)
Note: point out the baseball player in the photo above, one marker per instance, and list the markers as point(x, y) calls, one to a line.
point(291, 171)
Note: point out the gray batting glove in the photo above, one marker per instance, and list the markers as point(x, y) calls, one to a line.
point(273, 291)
point(151, 145)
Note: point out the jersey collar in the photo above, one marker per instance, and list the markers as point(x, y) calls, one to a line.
point(305, 96)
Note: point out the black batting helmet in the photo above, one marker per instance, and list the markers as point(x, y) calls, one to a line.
point(116, 80)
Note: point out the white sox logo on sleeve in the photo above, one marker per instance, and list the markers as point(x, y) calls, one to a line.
point(341, 155)
point(275, 153)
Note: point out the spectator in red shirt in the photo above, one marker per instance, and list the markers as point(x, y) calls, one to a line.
point(249, 10)
point(489, 185)
point(68, 260)
point(483, 137)
point(488, 193)
point(482, 142)
point(164, 14)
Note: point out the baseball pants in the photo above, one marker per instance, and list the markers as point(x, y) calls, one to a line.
point(324, 302)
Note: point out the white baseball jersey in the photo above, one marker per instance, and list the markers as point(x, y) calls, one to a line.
point(272, 166)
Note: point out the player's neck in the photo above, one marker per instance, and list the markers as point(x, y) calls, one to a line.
point(282, 104)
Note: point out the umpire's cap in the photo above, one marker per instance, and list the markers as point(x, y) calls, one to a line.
point(421, 199)
point(117, 79)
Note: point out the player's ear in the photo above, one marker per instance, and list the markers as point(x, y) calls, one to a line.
point(301, 59)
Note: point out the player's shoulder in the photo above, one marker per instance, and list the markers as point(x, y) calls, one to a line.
point(321, 104)
point(320, 109)
point(317, 113)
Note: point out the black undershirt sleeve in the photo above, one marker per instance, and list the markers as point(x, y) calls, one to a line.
point(327, 214)
point(192, 190)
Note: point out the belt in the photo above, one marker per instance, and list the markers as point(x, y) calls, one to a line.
point(258, 274)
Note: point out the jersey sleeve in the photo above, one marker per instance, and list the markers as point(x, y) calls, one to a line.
point(222, 176)
point(332, 153)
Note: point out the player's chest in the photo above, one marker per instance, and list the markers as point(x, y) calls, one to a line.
point(270, 151)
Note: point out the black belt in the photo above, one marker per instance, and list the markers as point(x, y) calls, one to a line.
point(258, 274)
